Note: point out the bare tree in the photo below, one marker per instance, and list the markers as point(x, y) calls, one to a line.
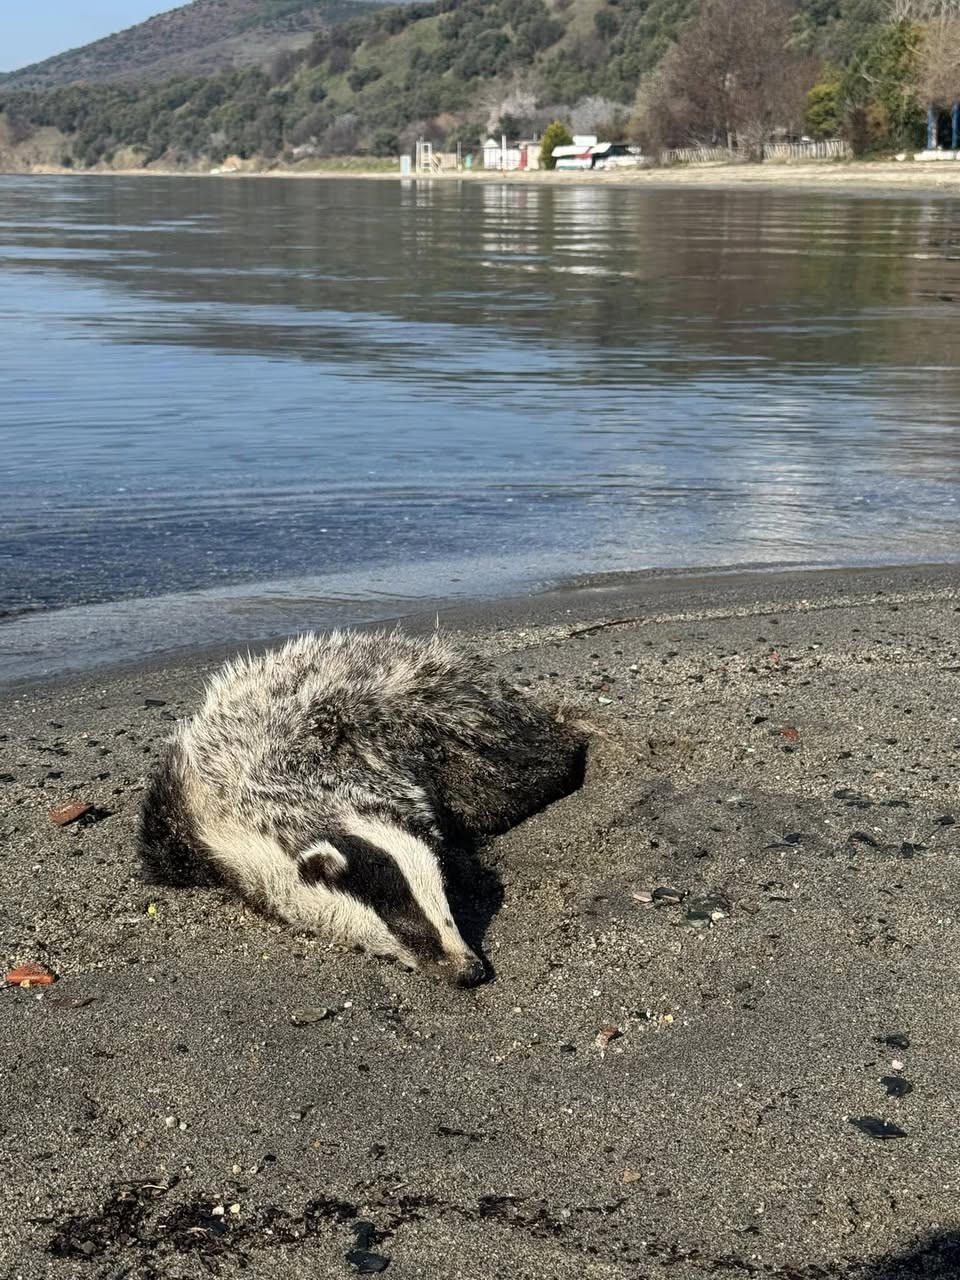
point(517, 100)
point(937, 81)
point(341, 137)
point(923, 10)
point(595, 115)
point(732, 79)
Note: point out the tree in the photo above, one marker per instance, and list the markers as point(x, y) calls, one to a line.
point(880, 90)
point(732, 79)
point(938, 63)
point(510, 126)
point(605, 24)
point(596, 115)
point(541, 32)
point(341, 137)
point(360, 77)
point(555, 135)
point(825, 106)
point(834, 29)
point(385, 143)
point(468, 136)
point(519, 100)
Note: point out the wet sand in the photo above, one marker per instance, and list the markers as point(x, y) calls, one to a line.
point(650, 1090)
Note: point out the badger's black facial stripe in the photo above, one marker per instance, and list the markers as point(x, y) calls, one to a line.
point(371, 876)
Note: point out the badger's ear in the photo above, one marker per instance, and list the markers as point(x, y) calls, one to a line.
point(322, 863)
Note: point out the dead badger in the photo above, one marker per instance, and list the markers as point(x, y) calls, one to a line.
point(323, 780)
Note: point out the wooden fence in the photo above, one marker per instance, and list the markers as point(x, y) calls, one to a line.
point(831, 148)
point(696, 155)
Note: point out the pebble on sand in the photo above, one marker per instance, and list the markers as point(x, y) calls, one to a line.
point(874, 1127)
point(667, 896)
point(303, 1017)
point(64, 814)
point(896, 1040)
point(29, 975)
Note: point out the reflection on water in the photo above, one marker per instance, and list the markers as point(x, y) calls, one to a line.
point(213, 382)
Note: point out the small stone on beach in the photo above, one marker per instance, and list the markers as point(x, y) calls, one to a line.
point(303, 1017)
point(360, 1257)
point(64, 814)
point(667, 897)
point(877, 1128)
point(709, 910)
point(896, 1086)
point(68, 1002)
point(896, 1040)
point(367, 1263)
point(29, 975)
point(606, 1035)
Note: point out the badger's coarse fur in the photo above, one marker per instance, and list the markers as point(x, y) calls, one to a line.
point(324, 779)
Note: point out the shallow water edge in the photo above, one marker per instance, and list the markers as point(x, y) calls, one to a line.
point(98, 643)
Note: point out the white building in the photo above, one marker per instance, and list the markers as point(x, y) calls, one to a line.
point(511, 155)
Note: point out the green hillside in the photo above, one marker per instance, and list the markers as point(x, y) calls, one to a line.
point(450, 71)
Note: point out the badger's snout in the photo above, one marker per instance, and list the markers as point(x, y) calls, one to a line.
point(462, 970)
point(470, 973)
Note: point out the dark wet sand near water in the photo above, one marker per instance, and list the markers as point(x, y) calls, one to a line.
point(784, 746)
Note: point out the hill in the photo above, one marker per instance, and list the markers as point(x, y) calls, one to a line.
point(450, 71)
point(203, 36)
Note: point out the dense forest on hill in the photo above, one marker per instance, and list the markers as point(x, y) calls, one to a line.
point(664, 72)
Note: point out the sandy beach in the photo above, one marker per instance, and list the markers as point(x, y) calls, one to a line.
point(878, 177)
point(693, 1087)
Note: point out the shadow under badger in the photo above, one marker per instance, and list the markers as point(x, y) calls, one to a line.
point(324, 780)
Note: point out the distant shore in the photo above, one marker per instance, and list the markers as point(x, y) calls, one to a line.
point(856, 175)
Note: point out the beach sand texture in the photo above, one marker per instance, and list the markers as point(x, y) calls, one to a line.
point(880, 177)
point(652, 1090)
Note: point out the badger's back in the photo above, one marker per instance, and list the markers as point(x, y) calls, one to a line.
point(289, 742)
point(519, 759)
point(411, 722)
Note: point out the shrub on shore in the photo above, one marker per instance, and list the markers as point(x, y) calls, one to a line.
point(555, 135)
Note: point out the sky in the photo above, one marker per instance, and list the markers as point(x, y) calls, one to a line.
point(31, 30)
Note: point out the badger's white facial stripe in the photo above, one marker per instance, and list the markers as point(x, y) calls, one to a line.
point(267, 874)
point(259, 865)
point(322, 861)
point(381, 890)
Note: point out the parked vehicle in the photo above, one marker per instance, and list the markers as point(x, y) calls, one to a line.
point(597, 155)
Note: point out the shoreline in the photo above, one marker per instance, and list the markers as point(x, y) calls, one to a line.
point(781, 744)
point(113, 623)
point(878, 177)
